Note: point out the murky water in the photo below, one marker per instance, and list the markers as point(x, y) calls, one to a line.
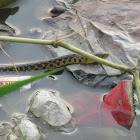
point(28, 17)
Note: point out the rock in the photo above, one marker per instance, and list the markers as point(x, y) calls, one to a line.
point(48, 106)
point(26, 127)
point(12, 137)
point(23, 127)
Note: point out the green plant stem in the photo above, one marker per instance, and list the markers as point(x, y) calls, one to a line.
point(137, 83)
point(95, 58)
point(14, 86)
point(27, 40)
point(66, 46)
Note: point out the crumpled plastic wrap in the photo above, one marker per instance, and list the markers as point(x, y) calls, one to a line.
point(49, 107)
point(100, 27)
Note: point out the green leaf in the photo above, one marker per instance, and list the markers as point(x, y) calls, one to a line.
point(4, 3)
point(23, 137)
point(11, 87)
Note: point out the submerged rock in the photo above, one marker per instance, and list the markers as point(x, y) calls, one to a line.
point(12, 137)
point(48, 106)
point(23, 127)
point(26, 127)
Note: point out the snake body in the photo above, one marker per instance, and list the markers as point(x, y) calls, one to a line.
point(50, 64)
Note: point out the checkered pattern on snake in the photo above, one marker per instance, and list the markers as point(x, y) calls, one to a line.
point(51, 64)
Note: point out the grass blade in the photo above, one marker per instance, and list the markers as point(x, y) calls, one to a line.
point(14, 86)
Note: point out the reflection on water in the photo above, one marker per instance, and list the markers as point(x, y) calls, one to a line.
point(28, 9)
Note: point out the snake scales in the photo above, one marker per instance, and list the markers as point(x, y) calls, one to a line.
point(51, 64)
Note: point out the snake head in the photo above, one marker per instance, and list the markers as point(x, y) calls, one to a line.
point(103, 56)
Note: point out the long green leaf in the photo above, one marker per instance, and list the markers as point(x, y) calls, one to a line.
point(11, 87)
point(23, 137)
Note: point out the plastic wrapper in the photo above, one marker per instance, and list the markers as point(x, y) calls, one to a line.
point(99, 27)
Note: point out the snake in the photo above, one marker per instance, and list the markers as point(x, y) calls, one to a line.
point(50, 64)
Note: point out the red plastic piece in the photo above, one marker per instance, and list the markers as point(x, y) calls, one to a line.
point(114, 110)
point(117, 102)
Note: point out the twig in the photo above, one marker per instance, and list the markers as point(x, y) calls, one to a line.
point(10, 58)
